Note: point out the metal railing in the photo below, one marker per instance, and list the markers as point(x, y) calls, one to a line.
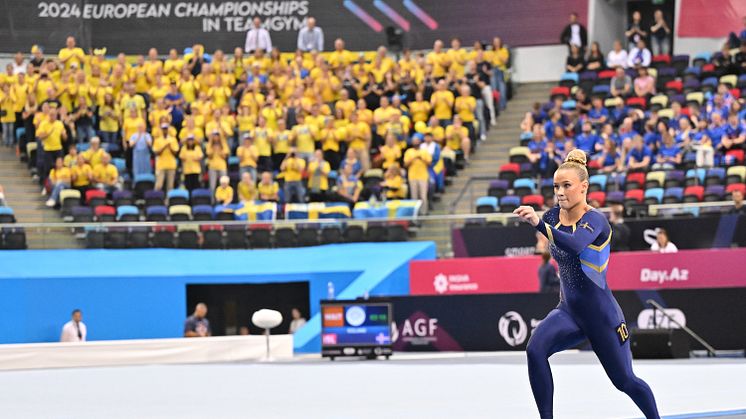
point(710, 350)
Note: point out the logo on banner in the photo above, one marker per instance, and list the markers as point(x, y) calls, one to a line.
point(512, 328)
point(652, 319)
point(443, 283)
point(650, 235)
point(660, 276)
point(419, 331)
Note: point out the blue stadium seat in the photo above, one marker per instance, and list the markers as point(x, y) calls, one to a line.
point(569, 79)
point(673, 195)
point(178, 197)
point(524, 186)
point(128, 213)
point(715, 176)
point(486, 204)
point(654, 196)
point(714, 193)
point(202, 212)
point(599, 181)
point(569, 105)
point(695, 177)
point(701, 58)
point(509, 203)
point(601, 90)
point(156, 213)
point(201, 197)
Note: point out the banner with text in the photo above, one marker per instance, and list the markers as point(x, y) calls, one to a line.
point(134, 26)
point(713, 268)
point(499, 322)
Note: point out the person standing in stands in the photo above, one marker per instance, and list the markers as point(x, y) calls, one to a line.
point(575, 34)
point(548, 278)
point(311, 37)
point(662, 244)
point(165, 147)
point(197, 325)
point(660, 34)
point(417, 162)
point(74, 330)
point(258, 38)
point(635, 33)
point(141, 142)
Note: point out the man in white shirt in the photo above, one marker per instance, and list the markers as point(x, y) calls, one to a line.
point(74, 330)
point(19, 63)
point(311, 37)
point(258, 38)
point(617, 57)
point(639, 56)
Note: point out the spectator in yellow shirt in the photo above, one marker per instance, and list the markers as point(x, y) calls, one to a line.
point(51, 132)
point(500, 56)
point(8, 114)
point(390, 152)
point(246, 188)
point(344, 103)
point(442, 102)
point(292, 168)
point(94, 155)
point(419, 109)
point(165, 148)
point(280, 143)
point(439, 60)
point(108, 116)
point(465, 107)
point(348, 186)
point(71, 56)
point(393, 183)
point(304, 134)
point(224, 192)
point(82, 175)
point(268, 188)
point(248, 155)
point(318, 177)
point(217, 155)
point(60, 178)
point(106, 175)
point(457, 57)
point(457, 137)
point(417, 161)
point(191, 163)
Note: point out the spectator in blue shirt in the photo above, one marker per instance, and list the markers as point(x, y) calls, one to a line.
point(639, 156)
point(619, 112)
point(627, 133)
point(674, 121)
point(702, 145)
point(607, 133)
point(669, 153)
point(598, 115)
point(609, 160)
point(587, 140)
point(683, 135)
point(549, 160)
point(735, 129)
point(716, 132)
point(652, 134)
point(716, 106)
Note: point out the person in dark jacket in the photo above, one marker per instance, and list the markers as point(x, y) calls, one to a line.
point(575, 34)
point(548, 279)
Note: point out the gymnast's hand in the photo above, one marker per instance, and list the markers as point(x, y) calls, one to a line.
point(527, 214)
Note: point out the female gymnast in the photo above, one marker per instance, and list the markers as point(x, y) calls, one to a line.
point(579, 239)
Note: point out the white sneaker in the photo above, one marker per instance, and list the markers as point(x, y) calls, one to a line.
point(50, 203)
point(493, 122)
point(43, 191)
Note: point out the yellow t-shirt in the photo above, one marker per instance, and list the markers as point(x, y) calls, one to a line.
point(390, 155)
point(305, 136)
point(321, 179)
point(185, 132)
point(294, 169)
point(53, 142)
point(246, 192)
point(82, 175)
point(108, 117)
point(439, 62)
point(282, 142)
point(419, 111)
point(442, 104)
point(457, 57)
point(60, 175)
point(262, 141)
point(358, 133)
point(347, 106)
point(454, 136)
point(395, 188)
point(267, 192)
point(465, 107)
point(382, 116)
point(191, 160)
point(224, 194)
point(106, 174)
point(93, 157)
point(75, 55)
point(417, 162)
point(165, 149)
point(216, 161)
point(247, 156)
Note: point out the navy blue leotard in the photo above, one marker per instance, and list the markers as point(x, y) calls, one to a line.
point(587, 310)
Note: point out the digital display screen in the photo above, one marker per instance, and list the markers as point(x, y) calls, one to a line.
point(356, 324)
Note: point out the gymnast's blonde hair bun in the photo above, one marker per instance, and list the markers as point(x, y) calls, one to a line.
point(577, 156)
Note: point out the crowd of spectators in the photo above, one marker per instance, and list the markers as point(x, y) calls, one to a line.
point(300, 126)
point(629, 119)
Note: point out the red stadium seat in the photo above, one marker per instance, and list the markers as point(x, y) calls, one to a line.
point(663, 58)
point(594, 164)
point(708, 68)
point(738, 155)
point(93, 194)
point(736, 93)
point(637, 102)
point(697, 190)
point(560, 91)
point(511, 167)
point(606, 74)
point(636, 177)
point(105, 213)
point(676, 85)
point(637, 195)
point(599, 196)
point(736, 187)
point(536, 201)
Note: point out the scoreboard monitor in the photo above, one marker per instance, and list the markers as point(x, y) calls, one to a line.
point(355, 328)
